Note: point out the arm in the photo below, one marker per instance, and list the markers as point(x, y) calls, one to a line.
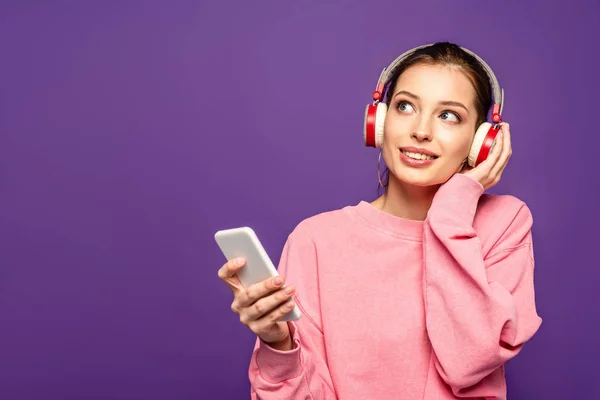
point(300, 373)
point(479, 311)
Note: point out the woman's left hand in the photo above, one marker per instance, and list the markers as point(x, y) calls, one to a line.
point(488, 173)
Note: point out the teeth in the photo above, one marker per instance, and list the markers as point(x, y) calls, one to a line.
point(418, 156)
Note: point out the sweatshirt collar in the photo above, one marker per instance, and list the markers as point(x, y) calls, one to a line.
point(388, 223)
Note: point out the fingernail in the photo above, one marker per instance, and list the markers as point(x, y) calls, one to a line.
point(239, 261)
point(288, 290)
point(289, 305)
point(277, 281)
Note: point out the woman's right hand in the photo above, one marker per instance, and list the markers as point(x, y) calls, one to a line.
point(261, 305)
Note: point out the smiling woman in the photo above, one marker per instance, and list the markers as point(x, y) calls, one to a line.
point(420, 110)
point(456, 92)
point(424, 292)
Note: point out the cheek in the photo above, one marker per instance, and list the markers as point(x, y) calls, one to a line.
point(455, 146)
point(394, 128)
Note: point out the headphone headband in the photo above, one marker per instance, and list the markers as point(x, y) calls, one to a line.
point(497, 92)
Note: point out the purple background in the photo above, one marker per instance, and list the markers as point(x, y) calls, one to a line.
point(131, 131)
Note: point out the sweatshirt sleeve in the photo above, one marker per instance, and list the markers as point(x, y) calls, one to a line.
point(480, 309)
point(301, 373)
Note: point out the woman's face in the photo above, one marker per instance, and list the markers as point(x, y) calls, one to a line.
point(432, 111)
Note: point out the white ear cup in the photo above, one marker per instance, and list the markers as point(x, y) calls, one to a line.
point(480, 136)
point(379, 123)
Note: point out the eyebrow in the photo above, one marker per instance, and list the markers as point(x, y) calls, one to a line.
point(444, 103)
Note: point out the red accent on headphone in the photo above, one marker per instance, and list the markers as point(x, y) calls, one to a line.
point(370, 139)
point(378, 93)
point(496, 114)
point(487, 145)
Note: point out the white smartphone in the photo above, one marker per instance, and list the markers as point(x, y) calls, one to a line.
point(243, 242)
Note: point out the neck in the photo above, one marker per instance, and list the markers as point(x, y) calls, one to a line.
point(406, 201)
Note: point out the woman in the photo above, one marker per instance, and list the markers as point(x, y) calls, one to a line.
point(423, 293)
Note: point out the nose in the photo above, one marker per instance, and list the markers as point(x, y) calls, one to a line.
point(422, 131)
point(421, 136)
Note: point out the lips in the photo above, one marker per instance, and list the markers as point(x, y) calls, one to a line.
point(418, 151)
point(416, 159)
point(418, 156)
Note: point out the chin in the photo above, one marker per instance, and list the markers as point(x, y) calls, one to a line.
point(420, 177)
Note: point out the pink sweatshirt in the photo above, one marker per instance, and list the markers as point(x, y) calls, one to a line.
point(403, 309)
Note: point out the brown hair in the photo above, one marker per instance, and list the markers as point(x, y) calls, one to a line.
point(450, 54)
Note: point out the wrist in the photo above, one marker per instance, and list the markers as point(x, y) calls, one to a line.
point(285, 344)
point(460, 195)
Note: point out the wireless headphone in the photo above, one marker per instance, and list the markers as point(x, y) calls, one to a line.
point(485, 134)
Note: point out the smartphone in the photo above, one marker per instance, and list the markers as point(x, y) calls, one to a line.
point(243, 242)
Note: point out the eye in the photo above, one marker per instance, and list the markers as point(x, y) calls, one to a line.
point(405, 106)
point(450, 116)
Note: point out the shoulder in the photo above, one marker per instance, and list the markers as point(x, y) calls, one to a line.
point(323, 223)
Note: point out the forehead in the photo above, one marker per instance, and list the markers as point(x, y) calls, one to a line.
point(437, 83)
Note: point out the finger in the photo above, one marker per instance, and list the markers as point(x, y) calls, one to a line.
point(229, 269)
point(492, 159)
point(499, 173)
point(485, 167)
point(274, 316)
point(498, 147)
point(505, 154)
point(267, 304)
point(254, 292)
point(507, 140)
point(506, 128)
